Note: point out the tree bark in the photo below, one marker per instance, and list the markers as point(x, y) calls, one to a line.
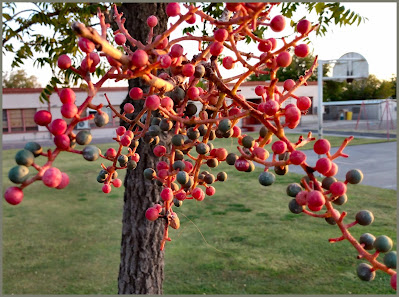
point(141, 268)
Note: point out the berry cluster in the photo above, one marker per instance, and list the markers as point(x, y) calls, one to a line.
point(175, 103)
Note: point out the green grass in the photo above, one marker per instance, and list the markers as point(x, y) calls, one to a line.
point(243, 240)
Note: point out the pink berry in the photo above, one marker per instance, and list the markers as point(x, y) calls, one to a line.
point(265, 46)
point(163, 173)
point(303, 26)
point(304, 103)
point(14, 195)
point(135, 157)
point(152, 102)
point(64, 181)
point(64, 62)
point(162, 165)
point(393, 281)
point(136, 93)
point(333, 171)
point(260, 90)
point(58, 127)
point(301, 50)
point(221, 35)
point(288, 84)
point(167, 194)
point(284, 59)
point(42, 117)
point(292, 114)
point(210, 191)
point(261, 153)
point(193, 93)
point(67, 96)
point(198, 194)
point(173, 9)
point(152, 214)
point(106, 188)
point(176, 51)
point(338, 188)
point(167, 103)
point(236, 132)
point(110, 153)
point(279, 147)
point(125, 140)
point(216, 48)
point(159, 150)
point(261, 106)
point(69, 110)
point(315, 199)
point(241, 165)
point(86, 45)
point(301, 197)
point(181, 195)
point(165, 61)
point(62, 142)
point(234, 111)
point(321, 146)
point(52, 177)
point(228, 62)
point(323, 165)
point(274, 43)
point(120, 39)
point(152, 21)
point(117, 183)
point(129, 134)
point(271, 107)
point(278, 23)
point(191, 20)
point(188, 70)
point(139, 58)
point(128, 108)
point(95, 58)
point(164, 42)
point(120, 130)
point(297, 157)
point(189, 167)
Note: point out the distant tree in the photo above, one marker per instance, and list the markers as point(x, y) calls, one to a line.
point(19, 79)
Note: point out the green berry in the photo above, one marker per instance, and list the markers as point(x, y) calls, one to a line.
point(293, 189)
point(193, 134)
point(154, 130)
point(294, 207)
point(165, 125)
point(83, 137)
point(266, 178)
point(368, 240)
point(364, 272)
point(327, 181)
point(34, 147)
point(364, 217)
point(123, 159)
point(202, 148)
point(178, 140)
point(91, 153)
point(212, 163)
point(25, 157)
point(341, 200)
point(177, 203)
point(18, 174)
point(383, 244)
point(179, 155)
point(182, 177)
point(191, 109)
point(131, 164)
point(224, 125)
point(231, 158)
point(263, 132)
point(354, 176)
point(390, 259)
point(179, 164)
point(222, 176)
point(248, 141)
point(149, 173)
point(281, 170)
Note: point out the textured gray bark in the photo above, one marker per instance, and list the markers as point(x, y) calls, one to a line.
point(142, 263)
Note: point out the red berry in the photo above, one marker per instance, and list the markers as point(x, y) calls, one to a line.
point(135, 157)
point(164, 42)
point(167, 103)
point(136, 93)
point(315, 199)
point(52, 177)
point(261, 153)
point(86, 45)
point(260, 90)
point(210, 191)
point(69, 110)
point(323, 165)
point(228, 62)
point(302, 50)
point(167, 194)
point(106, 188)
point(278, 23)
point(159, 150)
point(165, 61)
point(271, 107)
point(139, 58)
point(67, 96)
point(321, 146)
point(62, 142)
point(216, 48)
point(173, 9)
point(279, 147)
point(152, 214)
point(191, 20)
point(393, 281)
point(198, 194)
point(176, 51)
point(110, 153)
point(274, 43)
point(163, 173)
point(333, 171)
point(188, 70)
point(303, 26)
point(64, 181)
point(189, 167)
point(284, 59)
point(14, 195)
point(221, 154)
point(152, 102)
point(120, 38)
point(117, 183)
point(297, 157)
point(125, 140)
point(42, 117)
point(236, 131)
point(289, 84)
point(301, 197)
point(292, 114)
point(221, 35)
point(128, 108)
point(241, 164)
point(58, 127)
point(64, 62)
point(162, 165)
point(234, 111)
point(193, 93)
point(120, 130)
point(181, 195)
point(265, 46)
point(338, 188)
point(152, 21)
point(304, 103)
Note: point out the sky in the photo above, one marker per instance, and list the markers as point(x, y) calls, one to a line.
point(375, 39)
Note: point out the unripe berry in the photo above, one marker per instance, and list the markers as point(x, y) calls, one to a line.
point(315, 200)
point(301, 197)
point(125, 140)
point(67, 96)
point(42, 117)
point(52, 177)
point(193, 93)
point(241, 164)
point(277, 24)
point(216, 48)
point(284, 59)
point(260, 90)
point(136, 93)
point(181, 195)
point(110, 153)
point(173, 9)
point(64, 62)
point(86, 45)
point(120, 130)
point(159, 150)
point(191, 20)
point(13, 195)
point(164, 42)
point(128, 108)
point(303, 26)
point(221, 35)
point(152, 21)
point(261, 153)
point(58, 127)
point(198, 194)
point(139, 58)
point(321, 146)
point(333, 171)
point(117, 183)
point(273, 42)
point(120, 39)
point(301, 50)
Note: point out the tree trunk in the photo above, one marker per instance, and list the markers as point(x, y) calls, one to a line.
point(142, 263)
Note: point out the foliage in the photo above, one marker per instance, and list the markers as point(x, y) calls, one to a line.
point(369, 88)
point(20, 79)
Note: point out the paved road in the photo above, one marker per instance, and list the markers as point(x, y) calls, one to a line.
point(376, 161)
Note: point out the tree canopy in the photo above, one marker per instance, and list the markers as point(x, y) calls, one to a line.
point(19, 79)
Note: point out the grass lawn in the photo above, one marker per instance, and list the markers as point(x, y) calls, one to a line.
point(243, 240)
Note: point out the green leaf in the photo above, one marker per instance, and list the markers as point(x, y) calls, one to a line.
point(319, 7)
